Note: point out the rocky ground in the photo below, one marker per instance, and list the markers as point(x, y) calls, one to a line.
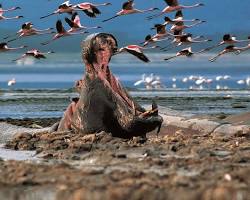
point(189, 159)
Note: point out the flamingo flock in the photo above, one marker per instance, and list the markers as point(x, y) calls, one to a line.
point(172, 30)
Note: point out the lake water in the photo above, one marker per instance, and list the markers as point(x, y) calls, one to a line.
point(43, 88)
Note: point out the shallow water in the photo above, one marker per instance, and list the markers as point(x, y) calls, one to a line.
point(43, 88)
point(9, 154)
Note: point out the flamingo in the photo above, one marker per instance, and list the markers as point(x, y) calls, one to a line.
point(8, 18)
point(178, 18)
point(4, 47)
point(136, 50)
point(139, 82)
point(173, 5)
point(128, 8)
point(61, 32)
point(34, 53)
point(11, 82)
point(90, 9)
point(161, 32)
point(185, 52)
point(179, 26)
point(149, 39)
point(75, 23)
point(230, 40)
point(8, 9)
point(28, 30)
point(65, 7)
point(185, 40)
point(157, 84)
point(228, 49)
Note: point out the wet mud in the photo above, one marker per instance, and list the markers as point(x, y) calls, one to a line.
point(176, 164)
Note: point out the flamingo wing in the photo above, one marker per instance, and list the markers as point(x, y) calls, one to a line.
point(69, 22)
point(172, 2)
point(178, 14)
point(59, 27)
point(39, 56)
point(138, 54)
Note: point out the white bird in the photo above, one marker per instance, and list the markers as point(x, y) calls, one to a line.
point(218, 78)
point(140, 81)
point(199, 81)
point(226, 77)
point(248, 81)
point(241, 82)
point(185, 79)
point(12, 82)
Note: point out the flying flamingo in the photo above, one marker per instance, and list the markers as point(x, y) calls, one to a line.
point(179, 26)
point(4, 47)
point(34, 53)
point(61, 32)
point(90, 9)
point(173, 5)
point(28, 30)
point(178, 18)
point(7, 10)
point(185, 40)
point(128, 8)
point(185, 52)
point(228, 49)
point(230, 40)
point(136, 50)
point(65, 7)
point(161, 32)
point(75, 23)
point(149, 39)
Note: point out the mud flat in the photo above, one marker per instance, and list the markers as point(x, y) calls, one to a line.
point(191, 158)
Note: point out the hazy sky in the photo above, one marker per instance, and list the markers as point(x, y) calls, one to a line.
point(222, 16)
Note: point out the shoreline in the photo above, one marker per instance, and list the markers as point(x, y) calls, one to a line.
point(188, 160)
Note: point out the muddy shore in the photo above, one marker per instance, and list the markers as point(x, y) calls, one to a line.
point(179, 163)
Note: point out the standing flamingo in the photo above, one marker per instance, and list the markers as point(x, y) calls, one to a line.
point(128, 8)
point(173, 5)
point(28, 30)
point(4, 47)
point(34, 53)
point(61, 32)
point(65, 7)
point(75, 23)
point(136, 50)
point(90, 9)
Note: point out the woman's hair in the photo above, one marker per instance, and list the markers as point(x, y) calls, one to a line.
point(92, 44)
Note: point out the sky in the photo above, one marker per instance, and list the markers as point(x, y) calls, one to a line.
point(221, 16)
